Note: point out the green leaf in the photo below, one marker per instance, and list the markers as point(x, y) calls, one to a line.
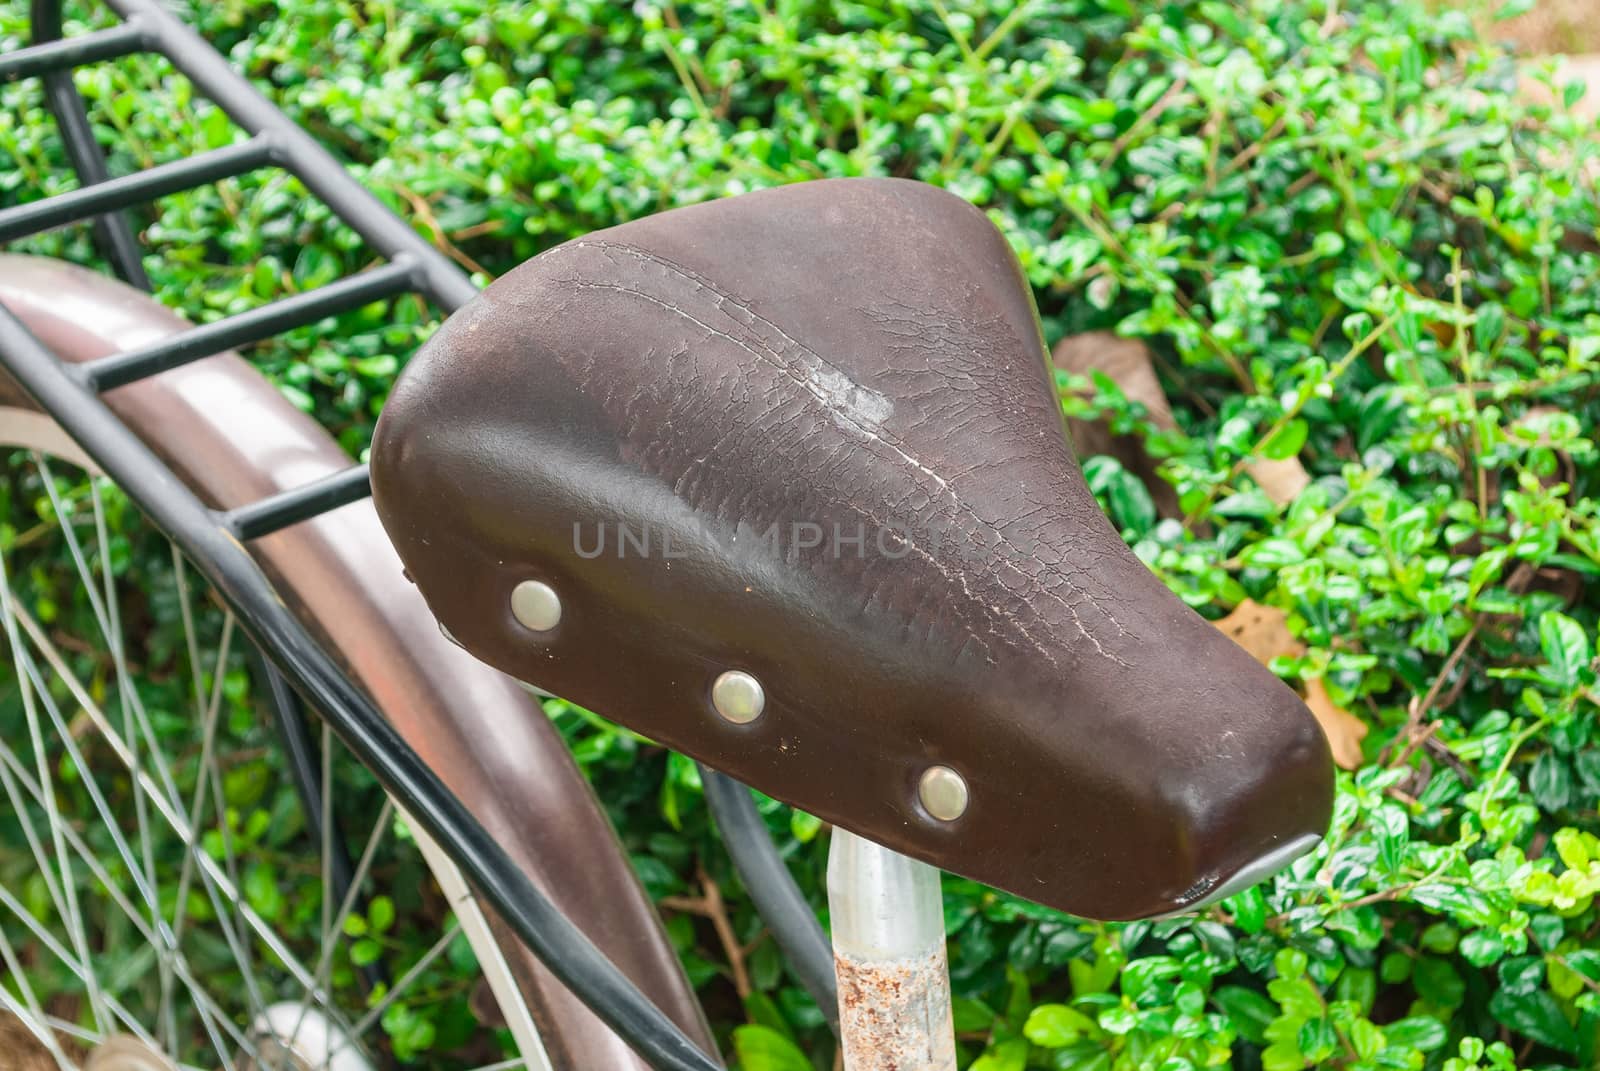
point(1283, 1056)
point(760, 1048)
point(1535, 1015)
point(1250, 1012)
point(1142, 975)
point(1394, 832)
point(1565, 647)
point(805, 827)
point(1550, 781)
point(1438, 982)
point(1249, 909)
point(217, 128)
point(1055, 1025)
point(1481, 948)
point(1521, 975)
point(971, 1016)
point(1290, 963)
point(1358, 985)
point(1082, 1056)
point(461, 956)
point(382, 366)
point(763, 1012)
point(1273, 554)
point(1366, 1039)
point(1131, 503)
point(1018, 997)
point(1010, 1055)
point(365, 951)
point(380, 914)
point(1490, 325)
point(1317, 1039)
point(261, 890)
point(1287, 440)
point(1420, 1033)
point(1119, 1020)
point(1584, 961)
point(1127, 499)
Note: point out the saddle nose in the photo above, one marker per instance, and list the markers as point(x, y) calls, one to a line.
point(1195, 772)
point(1256, 871)
point(805, 441)
point(1244, 819)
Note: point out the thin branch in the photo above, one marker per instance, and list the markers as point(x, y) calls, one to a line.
point(710, 906)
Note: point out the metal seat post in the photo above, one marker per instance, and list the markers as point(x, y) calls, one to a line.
point(889, 951)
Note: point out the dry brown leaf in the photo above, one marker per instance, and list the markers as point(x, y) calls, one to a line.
point(1281, 480)
point(1128, 363)
point(1551, 26)
point(24, 1052)
point(1261, 631)
point(1264, 633)
point(1343, 729)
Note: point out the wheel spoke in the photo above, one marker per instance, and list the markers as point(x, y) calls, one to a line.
point(77, 968)
point(219, 886)
point(207, 774)
point(41, 641)
point(28, 1012)
point(325, 837)
point(42, 868)
point(399, 988)
point(220, 889)
point(102, 618)
point(166, 1023)
point(71, 913)
point(335, 926)
point(113, 950)
point(12, 771)
point(107, 818)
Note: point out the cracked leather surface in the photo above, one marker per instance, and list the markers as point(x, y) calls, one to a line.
point(858, 363)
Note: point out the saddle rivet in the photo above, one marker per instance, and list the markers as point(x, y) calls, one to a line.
point(943, 793)
point(536, 605)
point(738, 697)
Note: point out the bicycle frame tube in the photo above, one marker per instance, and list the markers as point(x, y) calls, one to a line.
point(777, 898)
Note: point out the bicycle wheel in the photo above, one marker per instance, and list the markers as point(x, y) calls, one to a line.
point(161, 901)
point(229, 981)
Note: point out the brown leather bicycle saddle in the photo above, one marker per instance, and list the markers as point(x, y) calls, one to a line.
point(808, 434)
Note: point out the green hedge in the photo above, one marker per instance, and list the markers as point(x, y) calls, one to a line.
point(1345, 240)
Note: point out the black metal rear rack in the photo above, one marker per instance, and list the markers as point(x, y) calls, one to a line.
point(214, 540)
point(414, 265)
